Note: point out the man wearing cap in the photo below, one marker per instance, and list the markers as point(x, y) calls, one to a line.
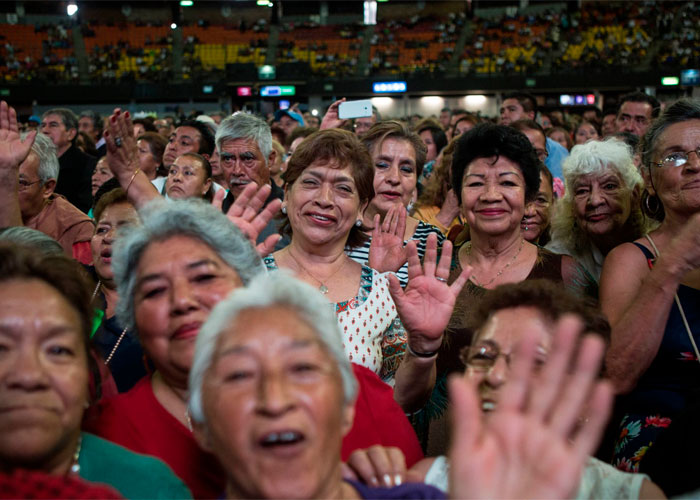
point(76, 167)
point(288, 120)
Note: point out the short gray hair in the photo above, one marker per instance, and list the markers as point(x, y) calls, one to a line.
point(45, 150)
point(245, 126)
point(26, 236)
point(278, 288)
point(162, 219)
point(69, 119)
point(680, 111)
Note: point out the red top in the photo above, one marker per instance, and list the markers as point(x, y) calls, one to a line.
point(137, 421)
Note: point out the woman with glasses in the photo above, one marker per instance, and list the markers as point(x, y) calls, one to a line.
point(601, 208)
point(650, 289)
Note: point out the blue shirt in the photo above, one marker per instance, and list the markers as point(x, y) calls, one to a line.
point(557, 153)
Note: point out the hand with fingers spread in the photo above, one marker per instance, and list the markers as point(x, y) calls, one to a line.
point(377, 466)
point(331, 119)
point(425, 306)
point(532, 445)
point(248, 214)
point(13, 150)
point(387, 251)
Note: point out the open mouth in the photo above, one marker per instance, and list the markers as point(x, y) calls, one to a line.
point(284, 438)
point(324, 219)
point(487, 405)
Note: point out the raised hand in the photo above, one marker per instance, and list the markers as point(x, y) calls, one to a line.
point(378, 466)
point(387, 251)
point(123, 160)
point(13, 150)
point(246, 214)
point(426, 305)
point(331, 119)
point(535, 444)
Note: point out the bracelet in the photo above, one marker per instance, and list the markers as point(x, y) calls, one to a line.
point(423, 355)
point(132, 180)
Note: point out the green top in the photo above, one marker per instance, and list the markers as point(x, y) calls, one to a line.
point(131, 474)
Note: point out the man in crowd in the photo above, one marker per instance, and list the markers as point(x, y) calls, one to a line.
point(636, 112)
point(445, 115)
point(362, 125)
point(91, 124)
point(163, 127)
point(46, 211)
point(608, 125)
point(76, 167)
point(244, 143)
point(191, 136)
point(288, 120)
point(521, 105)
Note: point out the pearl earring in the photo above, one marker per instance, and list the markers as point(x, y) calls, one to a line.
point(284, 210)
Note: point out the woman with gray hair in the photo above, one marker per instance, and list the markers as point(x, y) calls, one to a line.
point(601, 208)
point(650, 289)
point(272, 392)
point(171, 270)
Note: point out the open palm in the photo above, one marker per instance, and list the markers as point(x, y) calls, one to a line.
point(13, 150)
point(387, 251)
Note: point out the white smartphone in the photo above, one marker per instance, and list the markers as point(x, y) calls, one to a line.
point(355, 109)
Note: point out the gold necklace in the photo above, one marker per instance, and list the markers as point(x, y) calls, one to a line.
point(323, 288)
point(473, 277)
point(121, 336)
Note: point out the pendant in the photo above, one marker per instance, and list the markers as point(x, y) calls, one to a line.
point(323, 289)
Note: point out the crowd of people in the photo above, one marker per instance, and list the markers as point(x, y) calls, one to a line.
point(371, 308)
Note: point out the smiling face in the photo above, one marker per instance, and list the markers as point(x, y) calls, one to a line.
point(43, 377)
point(323, 204)
point(273, 401)
point(243, 163)
point(394, 174)
point(584, 133)
point(112, 218)
point(179, 280)
point(187, 178)
point(488, 358)
point(538, 213)
point(678, 187)
point(183, 140)
point(602, 203)
point(493, 195)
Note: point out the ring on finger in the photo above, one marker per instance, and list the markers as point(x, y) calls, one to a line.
point(118, 141)
point(444, 280)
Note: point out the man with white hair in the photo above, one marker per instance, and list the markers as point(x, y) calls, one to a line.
point(46, 211)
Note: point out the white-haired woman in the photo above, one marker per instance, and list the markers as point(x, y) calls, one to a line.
point(272, 394)
point(601, 207)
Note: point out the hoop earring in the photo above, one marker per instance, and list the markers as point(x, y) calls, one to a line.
point(657, 204)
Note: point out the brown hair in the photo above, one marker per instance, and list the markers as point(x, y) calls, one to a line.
point(347, 150)
point(440, 182)
point(156, 143)
point(112, 197)
point(379, 132)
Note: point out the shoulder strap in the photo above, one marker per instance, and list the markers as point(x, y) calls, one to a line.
point(647, 253)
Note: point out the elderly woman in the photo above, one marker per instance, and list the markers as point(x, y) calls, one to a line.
point(601, 208)
point(500, 324)
point(117, 345)
point(272, 394)
point(45, 375)
point(171, 270)
point(650, 289)
point(398, 156)
point(329, 183)
point(190, 176)
point(495, 174)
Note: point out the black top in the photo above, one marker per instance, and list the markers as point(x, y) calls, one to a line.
point(75, 177)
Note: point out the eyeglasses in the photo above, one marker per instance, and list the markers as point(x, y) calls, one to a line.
point(24, 184)
point(678, 159)
point(482, 358)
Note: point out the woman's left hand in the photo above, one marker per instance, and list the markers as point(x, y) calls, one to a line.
point(426, 305)
point(387, 252)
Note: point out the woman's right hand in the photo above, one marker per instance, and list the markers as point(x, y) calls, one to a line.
point(387, 251)
point(331, 119)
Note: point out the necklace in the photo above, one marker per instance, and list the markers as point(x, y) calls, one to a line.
point(484, 285)
point(322, 288)
point(121, 336)
point(75, 465)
